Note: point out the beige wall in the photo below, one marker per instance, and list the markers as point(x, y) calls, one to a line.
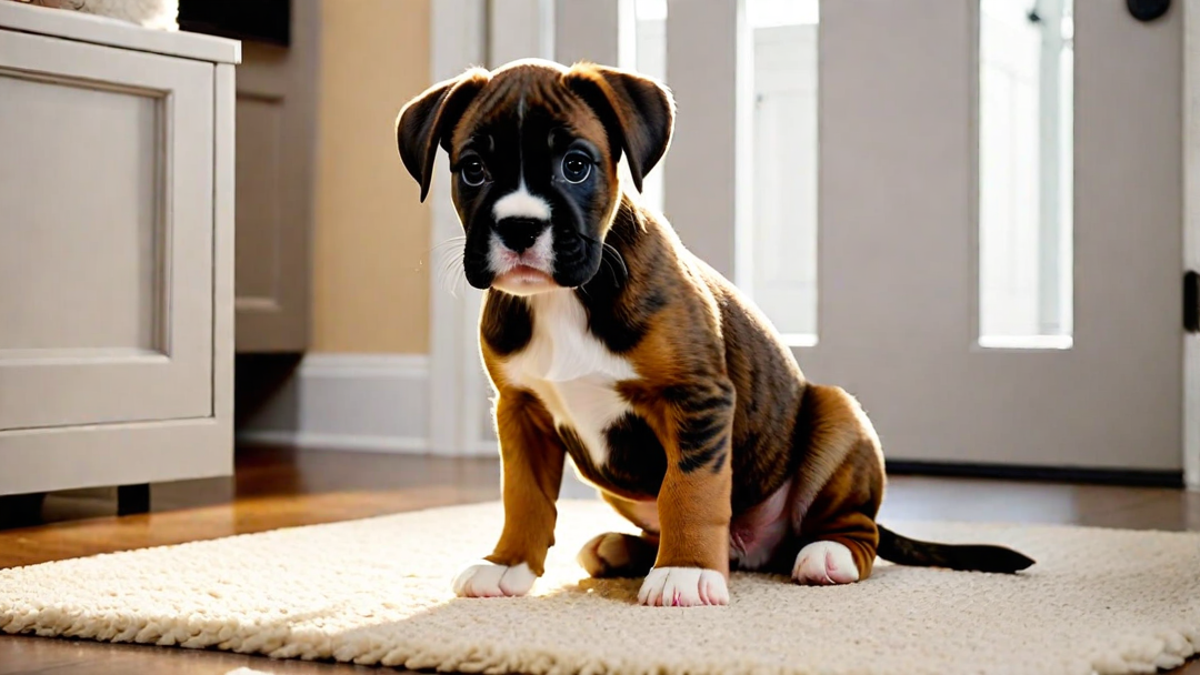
point(371, 239)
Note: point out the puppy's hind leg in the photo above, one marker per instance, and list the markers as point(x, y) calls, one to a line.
point(843, 481)
point(617, 554)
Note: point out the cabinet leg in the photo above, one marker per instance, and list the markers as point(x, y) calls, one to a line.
point(133, 499)
point(21, 510)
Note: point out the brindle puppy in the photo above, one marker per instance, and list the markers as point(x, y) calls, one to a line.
point(610, 343)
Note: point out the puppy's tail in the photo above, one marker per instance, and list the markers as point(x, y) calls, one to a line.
point(966, 557)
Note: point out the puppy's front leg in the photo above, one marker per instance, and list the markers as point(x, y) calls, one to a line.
point(533, 457)
point(694, 507)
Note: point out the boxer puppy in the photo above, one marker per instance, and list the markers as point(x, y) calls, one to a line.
point(609, 343)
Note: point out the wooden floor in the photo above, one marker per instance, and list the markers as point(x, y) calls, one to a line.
point(278, 487)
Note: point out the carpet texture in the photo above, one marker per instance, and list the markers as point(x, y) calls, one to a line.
point(377, 591)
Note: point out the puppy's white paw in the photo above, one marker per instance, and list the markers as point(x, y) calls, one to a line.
point(683, 587)
point(824, 563)
point(489, 580)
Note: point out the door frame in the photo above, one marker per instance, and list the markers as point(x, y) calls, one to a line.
point(1191, 234)
point(467, 33)
point(458, 387)
point(458, 38)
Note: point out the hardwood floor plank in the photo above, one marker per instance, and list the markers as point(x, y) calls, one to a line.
point(256, 514)
point(23, 655)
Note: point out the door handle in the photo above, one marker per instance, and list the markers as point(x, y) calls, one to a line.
point(1191, 301)
point(1147, 10)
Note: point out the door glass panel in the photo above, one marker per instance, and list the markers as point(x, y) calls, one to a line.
point(1025, 173)
point(783, 281)
point(651, 51)
point(784, 246)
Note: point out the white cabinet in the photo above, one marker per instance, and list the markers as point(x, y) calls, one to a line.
point(116, 252)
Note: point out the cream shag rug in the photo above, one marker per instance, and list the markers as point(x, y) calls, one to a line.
point(377, 591)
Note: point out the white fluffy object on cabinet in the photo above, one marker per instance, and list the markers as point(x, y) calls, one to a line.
point(156, 14)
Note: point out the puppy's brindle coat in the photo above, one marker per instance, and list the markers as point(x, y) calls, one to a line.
point(607, 341)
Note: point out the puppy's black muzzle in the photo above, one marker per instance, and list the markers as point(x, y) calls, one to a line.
point(520, 233)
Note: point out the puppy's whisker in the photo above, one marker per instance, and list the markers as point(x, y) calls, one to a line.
point(449, 270)
point(615, 254)
point(449, 260)
point(607, 267)
point(620, 234)
point(445, 277)
point(460, 281)
point(618, 275)
point(450, 252)
point(607, 250)
point(452, 241)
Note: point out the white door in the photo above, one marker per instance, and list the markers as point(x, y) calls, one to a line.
point(998, 214)
point(106, 242)
point(968, 213)
point(1000, 235)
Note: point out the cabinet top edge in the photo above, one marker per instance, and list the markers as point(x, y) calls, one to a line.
point(83, 27)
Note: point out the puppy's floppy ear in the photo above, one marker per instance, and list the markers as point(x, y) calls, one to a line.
point(638, 112)
point(428, 120)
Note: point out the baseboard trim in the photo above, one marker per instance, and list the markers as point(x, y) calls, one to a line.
point(261, 437)
point(358, 402)
point(358, 443)
point(365, 366)
point(484, 449)
point(1091, 476)
point(338, 442)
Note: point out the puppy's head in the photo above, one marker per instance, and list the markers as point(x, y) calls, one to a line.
point(534, 149)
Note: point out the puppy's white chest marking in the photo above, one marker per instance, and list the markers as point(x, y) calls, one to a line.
point(571, 371)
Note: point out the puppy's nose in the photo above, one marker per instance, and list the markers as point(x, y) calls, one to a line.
point(519, 233)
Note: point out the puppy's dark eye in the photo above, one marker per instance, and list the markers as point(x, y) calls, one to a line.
point(473, 173)
point(576, 167)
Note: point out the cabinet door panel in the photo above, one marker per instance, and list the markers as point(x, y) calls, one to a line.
point(106, 234)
